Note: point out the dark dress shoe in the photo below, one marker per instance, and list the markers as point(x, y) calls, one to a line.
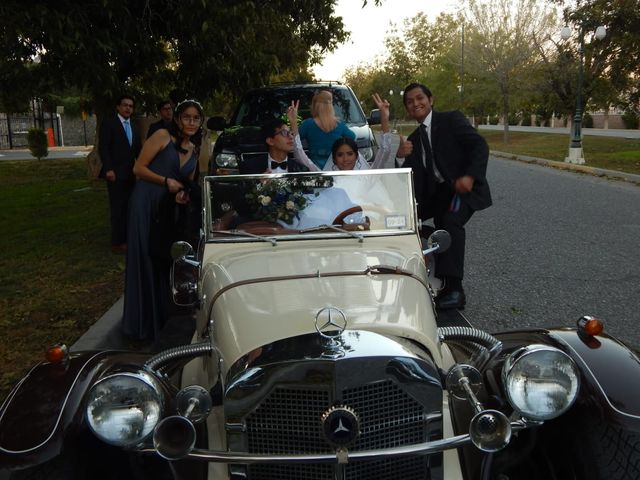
point(451, 299)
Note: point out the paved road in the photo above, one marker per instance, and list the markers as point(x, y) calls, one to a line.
point(554, 246)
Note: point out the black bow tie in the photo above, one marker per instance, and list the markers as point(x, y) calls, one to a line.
point(282, 165)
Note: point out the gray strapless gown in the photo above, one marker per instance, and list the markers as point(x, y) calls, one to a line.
point(146, 279)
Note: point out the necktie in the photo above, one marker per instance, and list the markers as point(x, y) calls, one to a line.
point(427, 159)
point(127, 130)
point(426, 146)
point(282, 165)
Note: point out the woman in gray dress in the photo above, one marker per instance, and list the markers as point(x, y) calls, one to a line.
point(167, 161)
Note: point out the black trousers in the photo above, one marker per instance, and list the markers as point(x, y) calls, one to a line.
point(438, 207)
point(119, 193)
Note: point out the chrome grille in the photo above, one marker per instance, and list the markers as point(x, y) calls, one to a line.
point(388, 416)
point(413, 468)
point(288, 421)
point(291, 472)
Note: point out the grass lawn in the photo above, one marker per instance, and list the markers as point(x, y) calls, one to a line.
point(58, 273)
point(601, 152)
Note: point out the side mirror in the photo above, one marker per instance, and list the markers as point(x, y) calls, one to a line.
point(374, 117)
point(181, 249)
point(216, 123)
point(439, 241)
point(185, 273)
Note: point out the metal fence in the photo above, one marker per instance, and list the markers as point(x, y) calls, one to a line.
point(14, 128)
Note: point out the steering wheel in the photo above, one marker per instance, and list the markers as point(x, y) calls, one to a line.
point(344, 214)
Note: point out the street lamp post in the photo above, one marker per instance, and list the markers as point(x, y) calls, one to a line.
point(575, 147)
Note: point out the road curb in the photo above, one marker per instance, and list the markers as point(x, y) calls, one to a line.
point(598, 172)
point(105, 333)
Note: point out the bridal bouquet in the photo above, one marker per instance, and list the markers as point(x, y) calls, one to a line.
point(279, 199)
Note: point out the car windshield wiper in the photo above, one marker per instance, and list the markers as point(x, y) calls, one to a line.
point(242, 233)
point(359, 236)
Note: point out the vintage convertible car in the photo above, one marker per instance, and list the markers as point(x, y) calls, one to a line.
point(318, 354)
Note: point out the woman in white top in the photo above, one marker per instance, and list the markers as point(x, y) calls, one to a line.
point(344, 152)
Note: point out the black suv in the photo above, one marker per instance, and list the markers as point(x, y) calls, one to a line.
point(240, 139)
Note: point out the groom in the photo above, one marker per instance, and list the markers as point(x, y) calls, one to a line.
point(449, 161)
point(279, 141)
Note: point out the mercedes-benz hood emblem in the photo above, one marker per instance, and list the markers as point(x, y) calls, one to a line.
point(331, 322)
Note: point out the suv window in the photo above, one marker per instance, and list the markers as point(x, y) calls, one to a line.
point(259, 106)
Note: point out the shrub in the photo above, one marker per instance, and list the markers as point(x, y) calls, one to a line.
point(587, 120)
point(513, 119)
point(526, 119)
point(494, 120)
point(37, 140)
point(630, 120)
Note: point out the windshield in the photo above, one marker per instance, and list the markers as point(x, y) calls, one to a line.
point(259, 106)
point(320, 204)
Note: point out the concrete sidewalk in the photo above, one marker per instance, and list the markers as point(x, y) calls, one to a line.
point(106, 333)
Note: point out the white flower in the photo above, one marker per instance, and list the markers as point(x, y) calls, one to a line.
point(290, 205)
point(264, 200)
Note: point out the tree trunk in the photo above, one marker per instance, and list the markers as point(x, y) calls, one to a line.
point(505, 115)
point(94, 164)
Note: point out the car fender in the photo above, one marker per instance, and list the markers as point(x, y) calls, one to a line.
point(610, 370)
point(49, 400)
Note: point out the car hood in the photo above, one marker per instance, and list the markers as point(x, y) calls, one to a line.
point(255, 296)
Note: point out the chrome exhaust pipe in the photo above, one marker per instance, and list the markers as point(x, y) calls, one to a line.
point(174, 437)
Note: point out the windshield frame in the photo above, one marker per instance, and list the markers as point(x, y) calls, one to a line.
point(210, 235)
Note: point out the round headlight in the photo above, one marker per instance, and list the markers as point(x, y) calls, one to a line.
point(124, 408)
point(227, 160)
point(541, 381)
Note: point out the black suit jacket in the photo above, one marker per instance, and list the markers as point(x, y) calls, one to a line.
point(155, 126)
point(115, 152)
point(258, 164)
point(458, 150)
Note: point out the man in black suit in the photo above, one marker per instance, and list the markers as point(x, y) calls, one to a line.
point(279, 140)
point(165, 110)
point(449, 161)
point(119, 145)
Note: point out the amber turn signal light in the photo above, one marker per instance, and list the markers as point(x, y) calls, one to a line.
point(57, 354)
point(590, 325)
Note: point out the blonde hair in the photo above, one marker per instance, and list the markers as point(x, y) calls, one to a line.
point(322, 110)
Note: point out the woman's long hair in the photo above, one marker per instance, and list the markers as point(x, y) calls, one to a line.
point(322, 110)
point(177, 133)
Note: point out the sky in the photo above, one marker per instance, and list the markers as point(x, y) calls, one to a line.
point(368, 27)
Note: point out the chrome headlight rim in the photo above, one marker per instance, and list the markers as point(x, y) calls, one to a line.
point(519, 357)
point(155, 388)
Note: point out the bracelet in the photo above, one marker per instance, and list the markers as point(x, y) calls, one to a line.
point(166, 185)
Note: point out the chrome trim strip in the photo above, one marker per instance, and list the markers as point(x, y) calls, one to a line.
point(64, 404)
point(340, 456)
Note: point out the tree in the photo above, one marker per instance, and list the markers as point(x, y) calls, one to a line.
point(205, 48)
point(503, 39)
point(611, 73)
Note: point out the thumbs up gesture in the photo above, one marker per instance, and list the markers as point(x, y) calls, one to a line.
point(405, 148)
